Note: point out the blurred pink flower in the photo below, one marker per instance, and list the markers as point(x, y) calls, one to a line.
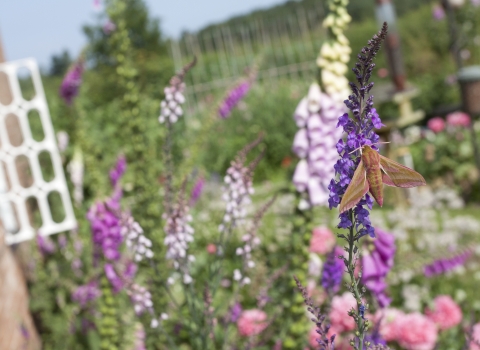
point(211, 248)
point(475, 2)
point(338, 314)
point(416, 332)
point(436, 124)
point(388, 319)
point(446, 313)
point(476, 337)
point(252, 322)
point(458, 119)
point(322, 240)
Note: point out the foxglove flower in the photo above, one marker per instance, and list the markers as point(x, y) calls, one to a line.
point(333, 271)
point(377, 264)
point(75, 168)
point(141, 299)
point(46, 245)
point(71, 82)
point(179, 234)
point(118, 171)
point(197, 191)
point(86, 293)
point(314, 143)
point(139, 245)
point(171, 107)
point(443, 265)
point(233, 98)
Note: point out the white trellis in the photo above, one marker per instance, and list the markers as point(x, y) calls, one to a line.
point(14, 196)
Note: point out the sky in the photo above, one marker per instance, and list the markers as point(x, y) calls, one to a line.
point(38, 29)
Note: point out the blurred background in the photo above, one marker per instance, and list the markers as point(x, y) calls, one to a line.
point(425, 91)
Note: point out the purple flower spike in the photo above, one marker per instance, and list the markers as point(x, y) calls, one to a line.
point(333, 271)
point(197, 191)
point(377, 264)
point(117, 172)
point(46, 245)
point(235, 312)
point(233, 98)
point(441, 266)
point(86, 293)
point(71, 82)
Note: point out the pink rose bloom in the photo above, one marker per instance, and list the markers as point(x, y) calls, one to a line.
point(322, 240)
point(446, 313)
point(416, 332)
point(458, 119)
point(436, 124)
point(476, 337)
point(388, 319)
point(339, 318)
point(252, 322)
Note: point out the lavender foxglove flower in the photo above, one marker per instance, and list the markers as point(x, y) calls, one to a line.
point(238, 188)
point(139, 338)
point(62, 140)
point(235, 312)
point(179, 234)
point(86, 293)
point(71, 82)
point(377, 264)
point(197, 191)
point(141, 299)
point(75, 168)
point(332, 273)
point(46, 245)
point(444, 265)
point(171, 107)
point(135, 240)
point(314, 143)
point(233, 98)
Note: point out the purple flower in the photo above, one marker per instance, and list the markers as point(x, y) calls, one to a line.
point(314, 143)
point(117, 172)
point(86, 293)
point(359, 128)
point(441, 266)
point(71, 82)
point(113, 278)
point(333, 271)
point(438, 12)
point(197, 191)
point(235, 312)
point(46, 245)
point(233, 98)
point(109, 27)
point(377, 264)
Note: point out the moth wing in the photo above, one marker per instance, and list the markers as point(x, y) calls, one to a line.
point(398, 175)
point(356, 189)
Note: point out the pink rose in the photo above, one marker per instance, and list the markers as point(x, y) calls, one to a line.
point(446, 313)
point(322, 240)
point(252, 322)
point(339, 318)
point(436, 124)
point(476, 337)
point(458, 119)
point(388, 319)
point(416, 332)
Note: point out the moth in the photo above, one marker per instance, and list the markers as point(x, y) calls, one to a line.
point(372, 172)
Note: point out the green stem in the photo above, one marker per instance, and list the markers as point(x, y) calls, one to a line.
point(354, 282)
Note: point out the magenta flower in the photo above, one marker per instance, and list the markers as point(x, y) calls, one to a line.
point(233, 98)
point(197, 191)
point(71, 82)
point(46, 245)
point(377, 264)
point(436, 124)
point(444, 265)
point(86, 293)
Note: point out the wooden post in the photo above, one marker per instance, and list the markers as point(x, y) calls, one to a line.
point(17, 330)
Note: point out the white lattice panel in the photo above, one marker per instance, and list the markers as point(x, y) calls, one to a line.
point(13, 196)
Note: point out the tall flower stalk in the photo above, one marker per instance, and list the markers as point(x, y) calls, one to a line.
point(359, 128)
